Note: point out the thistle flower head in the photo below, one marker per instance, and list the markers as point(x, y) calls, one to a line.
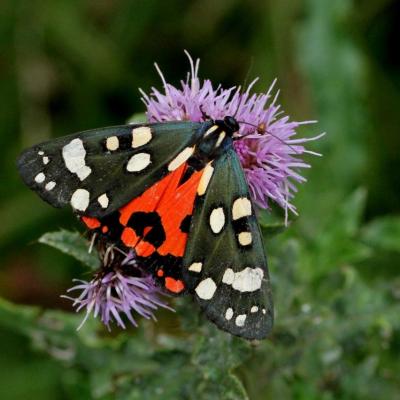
point(267, 143)
point(117, 292)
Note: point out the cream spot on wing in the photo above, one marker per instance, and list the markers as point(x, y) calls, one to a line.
point(138, 162)
point(45, 160)
point(217, 219)
point(228, 313)
point(50, 185)
point(41, 153)
point(141, 136)
point(196, 267)
point(247, 280)
point(241, 208)
point(254, 309)
point(205, 179)
point(245, 238)
point(221, 137)
point(74, 158)
point(206, 289)
point(228, 277)
point(112, 143)
point(264, 311)
point(80, 199)
point(182, 157)
point(240, 320)
point(103, 200)
point(40, 177)
point(211, 130)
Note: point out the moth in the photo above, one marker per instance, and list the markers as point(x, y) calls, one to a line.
point(175, 193)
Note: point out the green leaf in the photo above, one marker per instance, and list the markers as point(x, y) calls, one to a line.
point(339, 243)
point(347, 216)
point(17, 318)
point(383, 233)
point(215, 356)
point(53, 332)
point(73, 244)
point(270, 223)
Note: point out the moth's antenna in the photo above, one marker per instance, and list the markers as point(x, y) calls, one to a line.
point(261, 130)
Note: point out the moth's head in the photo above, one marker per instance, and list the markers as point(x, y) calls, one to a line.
point(231, 125)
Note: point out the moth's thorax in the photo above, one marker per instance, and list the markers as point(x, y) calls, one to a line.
point(216, 138)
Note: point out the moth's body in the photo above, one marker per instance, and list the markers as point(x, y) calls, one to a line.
point(176, 195)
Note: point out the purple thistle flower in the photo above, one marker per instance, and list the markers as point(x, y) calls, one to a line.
point(116, 292)
point(266, 144)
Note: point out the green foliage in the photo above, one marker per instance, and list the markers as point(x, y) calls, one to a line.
point(383, 233)
point(73, 244)
point(321, 345)
point(72, 66)
point(134, 366)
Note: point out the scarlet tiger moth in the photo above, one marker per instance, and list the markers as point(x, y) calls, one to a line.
point(176, 194)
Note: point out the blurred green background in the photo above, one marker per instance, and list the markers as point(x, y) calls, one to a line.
point(67, 66)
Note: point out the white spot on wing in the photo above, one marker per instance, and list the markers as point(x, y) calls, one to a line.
point(40, 152)
point(138, 162)
point(217, 219)
point(211, 130)
point(254, 309)
point(205, 179)
point(196, 267)
point(206, 289)
point(221, 137)
point(245, 238)
point(50, 185)
point(141, 136)
point(80, 199)
point(74, 158)
point(112, 143)
point(103, 200)
point(228, 313)
point(247, 280)
point(182, 157)
point(45, 160)
point(229, 276)
point(241, 208)
point(240, 320)
point(40, 177)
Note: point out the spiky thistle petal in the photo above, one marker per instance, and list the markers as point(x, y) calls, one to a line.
point(267, 143)
point(117, 293)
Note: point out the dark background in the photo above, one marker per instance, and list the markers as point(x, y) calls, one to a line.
point(67, 66)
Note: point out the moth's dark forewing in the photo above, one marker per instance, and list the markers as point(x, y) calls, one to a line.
point(104, 172)
point(230, 280)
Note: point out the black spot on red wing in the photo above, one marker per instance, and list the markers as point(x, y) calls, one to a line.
point(189, 171)
point(110, 227)
point(148, 225)
point(185, 224)
point(170, 266)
